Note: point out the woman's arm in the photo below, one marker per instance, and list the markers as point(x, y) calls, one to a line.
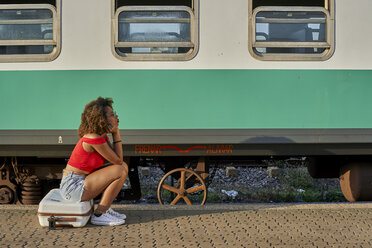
point(117, 143)
point(114, 130)
point(112, 154)
point(108, 153)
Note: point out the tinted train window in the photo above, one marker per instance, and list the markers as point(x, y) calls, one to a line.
point(155, 30)
point(29, 31)
point(281, 30)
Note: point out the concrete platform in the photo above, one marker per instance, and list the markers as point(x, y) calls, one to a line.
point(252, 225)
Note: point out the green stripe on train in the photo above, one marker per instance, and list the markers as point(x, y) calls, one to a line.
point(190, 99)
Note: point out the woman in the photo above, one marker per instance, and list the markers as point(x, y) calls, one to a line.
point(83, 178)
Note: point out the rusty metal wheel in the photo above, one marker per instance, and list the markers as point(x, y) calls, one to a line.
point(356, 181)
point(182, 184)
point(6, 195)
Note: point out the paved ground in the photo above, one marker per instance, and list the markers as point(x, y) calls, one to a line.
point(271, 225)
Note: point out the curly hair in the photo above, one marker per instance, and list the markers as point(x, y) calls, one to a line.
point(93, 118)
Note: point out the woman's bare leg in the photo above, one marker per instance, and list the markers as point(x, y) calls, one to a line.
point(109, 181)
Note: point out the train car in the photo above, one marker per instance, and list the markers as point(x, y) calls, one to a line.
point(192, 81)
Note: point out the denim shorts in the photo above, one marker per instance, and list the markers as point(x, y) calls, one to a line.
point(72, 186)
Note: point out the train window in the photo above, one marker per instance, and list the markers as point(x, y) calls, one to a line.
point(161, 30)
point(29, 30)
point(285, 30)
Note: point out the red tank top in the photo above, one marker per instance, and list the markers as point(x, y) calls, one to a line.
point(87, 161)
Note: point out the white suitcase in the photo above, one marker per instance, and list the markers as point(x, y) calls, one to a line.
point(55, 211)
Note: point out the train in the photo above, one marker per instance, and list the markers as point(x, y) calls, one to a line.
point(193, 82)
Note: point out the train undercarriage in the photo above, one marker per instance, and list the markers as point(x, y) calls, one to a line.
point(25, 180)
point(32, 161)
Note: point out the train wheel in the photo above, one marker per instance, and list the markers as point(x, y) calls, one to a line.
point(6, 195)
point(356, 181)
point(182, 184)
point(7, 188)
point(324, 167)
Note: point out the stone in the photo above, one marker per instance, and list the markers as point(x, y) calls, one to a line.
point(273, 171)
point(145, 171)
point(231, 171)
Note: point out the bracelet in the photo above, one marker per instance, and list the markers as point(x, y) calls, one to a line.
point(116, 141)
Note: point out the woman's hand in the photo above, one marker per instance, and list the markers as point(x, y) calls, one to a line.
point(113, 121)
point(113, 128)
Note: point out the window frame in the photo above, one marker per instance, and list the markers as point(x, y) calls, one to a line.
point(56, 40)
point(328, 44)
point(194, 35)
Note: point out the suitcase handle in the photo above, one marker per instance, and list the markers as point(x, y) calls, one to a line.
point(53, 221)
